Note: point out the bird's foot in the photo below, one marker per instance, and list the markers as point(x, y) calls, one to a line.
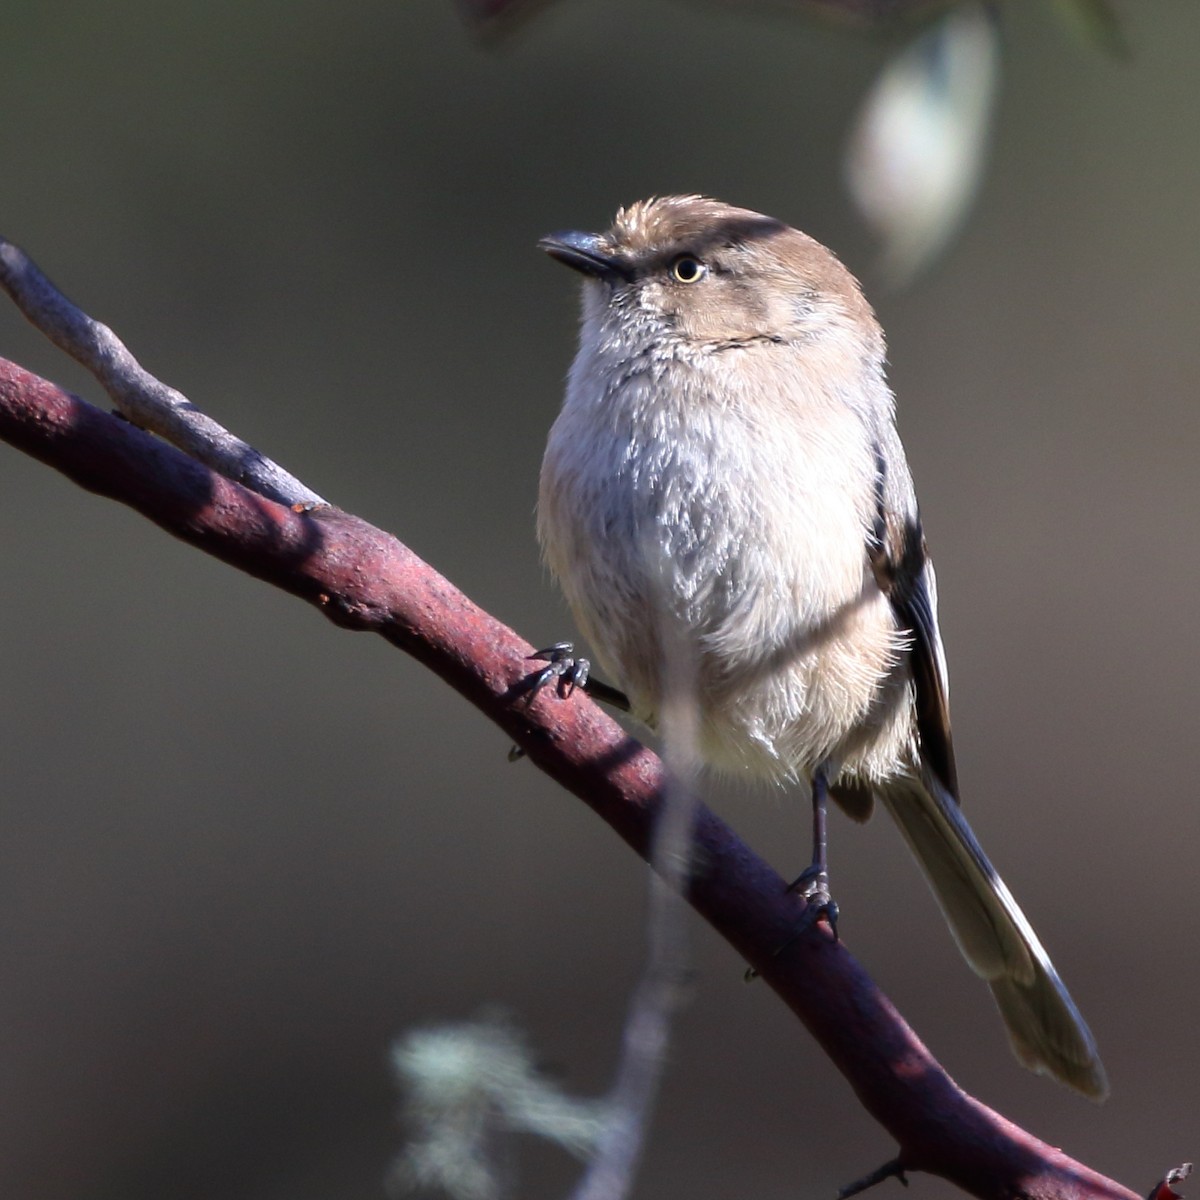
point(571, 672)
point(813, 886)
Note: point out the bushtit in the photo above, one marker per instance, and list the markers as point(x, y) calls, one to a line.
point(726, 475)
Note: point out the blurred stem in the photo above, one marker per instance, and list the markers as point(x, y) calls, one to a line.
point(492, 17)
point(660, 991)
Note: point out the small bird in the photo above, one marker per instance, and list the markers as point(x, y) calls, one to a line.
point(726, 475)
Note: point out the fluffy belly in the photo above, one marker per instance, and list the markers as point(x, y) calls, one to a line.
point(775, 706)
point(793, 650)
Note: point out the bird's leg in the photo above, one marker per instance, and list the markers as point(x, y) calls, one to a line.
point(571, 673)
point(813, 882)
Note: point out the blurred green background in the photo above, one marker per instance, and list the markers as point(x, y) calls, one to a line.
point(241, 851)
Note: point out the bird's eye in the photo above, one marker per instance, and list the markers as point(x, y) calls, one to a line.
point(688, 269)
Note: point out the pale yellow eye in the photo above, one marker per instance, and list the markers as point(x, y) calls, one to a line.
point(688, 269)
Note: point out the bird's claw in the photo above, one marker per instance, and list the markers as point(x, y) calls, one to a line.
point(813, 885)
point(571, 672)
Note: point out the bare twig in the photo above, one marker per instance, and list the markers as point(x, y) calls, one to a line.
point(136, 393)
point(361, 578)
point(893, 1169)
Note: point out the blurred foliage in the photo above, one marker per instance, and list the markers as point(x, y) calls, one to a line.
point(918, 149)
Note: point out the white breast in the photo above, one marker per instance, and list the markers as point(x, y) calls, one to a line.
point(737, 526)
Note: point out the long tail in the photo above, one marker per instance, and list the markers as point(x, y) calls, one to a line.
point(1047, 1033)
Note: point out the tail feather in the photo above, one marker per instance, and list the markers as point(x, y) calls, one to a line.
point(1047, 1032)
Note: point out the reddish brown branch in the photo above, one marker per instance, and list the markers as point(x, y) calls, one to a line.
point(362, 578)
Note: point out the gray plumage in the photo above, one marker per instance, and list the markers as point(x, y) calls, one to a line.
point(726, 474)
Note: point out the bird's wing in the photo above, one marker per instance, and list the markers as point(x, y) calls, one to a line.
point(904, 573)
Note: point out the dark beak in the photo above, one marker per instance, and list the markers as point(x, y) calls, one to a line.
point(588, 253)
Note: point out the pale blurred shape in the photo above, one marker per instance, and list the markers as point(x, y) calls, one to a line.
point(464, 1085)
point(916, 154)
